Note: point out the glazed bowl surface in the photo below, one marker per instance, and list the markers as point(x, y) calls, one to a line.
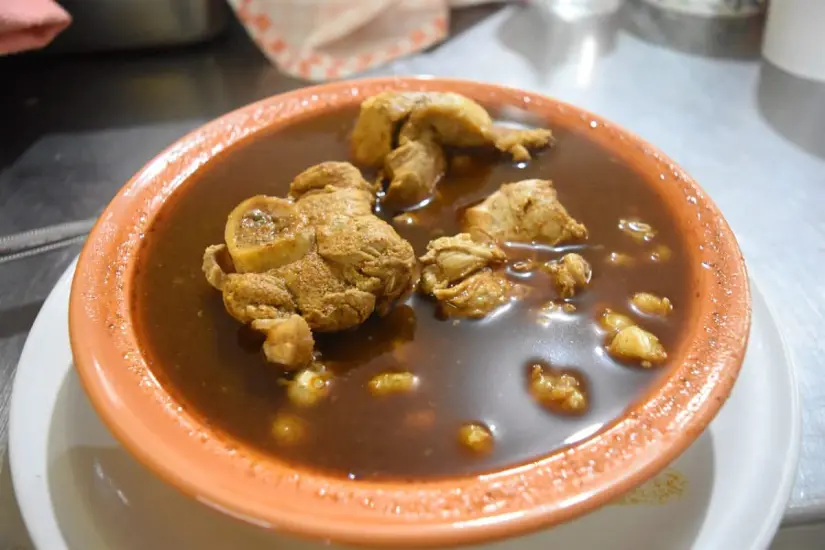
point(240, 481)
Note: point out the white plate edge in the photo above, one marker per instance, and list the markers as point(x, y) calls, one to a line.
point(46, 533)
point(789, 473)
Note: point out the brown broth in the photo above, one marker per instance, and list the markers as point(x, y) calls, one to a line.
point(468, 370)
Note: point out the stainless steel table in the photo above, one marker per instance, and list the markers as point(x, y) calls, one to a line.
point(73, 129)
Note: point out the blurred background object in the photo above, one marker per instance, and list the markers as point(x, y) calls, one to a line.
point(571, 10)
point(100, 25)
point(791, 91)
point(29, 24)
point(711, 8)
point(794, 37)
point(730, 29)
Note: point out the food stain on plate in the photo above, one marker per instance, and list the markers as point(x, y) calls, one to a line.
point(666, 487)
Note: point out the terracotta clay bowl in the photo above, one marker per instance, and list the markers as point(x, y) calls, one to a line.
point(243, 483)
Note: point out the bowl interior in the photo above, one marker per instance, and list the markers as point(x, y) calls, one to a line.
point(188, 453)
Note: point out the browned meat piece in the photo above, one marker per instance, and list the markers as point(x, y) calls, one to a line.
point(332, 189)
point(339, 175)
point(569, 274)
point(216, 264)
point(326, 302)
point(428, 121)
point(251, 296)
point(414, 169)
point(372, 137)
point(456, 120)
point(518, 142)
point(456, 271)
point(450, 259)
point(308, 287)
point(288, 340)
point(461, 122)
point(524, 211)
point(264, 233)
point(368, 254)
point(476, 296)
point(319, 206)
point(291, 284)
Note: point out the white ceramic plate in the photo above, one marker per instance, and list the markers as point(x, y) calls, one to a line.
point(78, 489)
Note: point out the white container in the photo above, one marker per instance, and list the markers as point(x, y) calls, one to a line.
point(795, 37)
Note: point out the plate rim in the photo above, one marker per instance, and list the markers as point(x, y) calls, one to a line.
point(791, 462)
point(45, 538)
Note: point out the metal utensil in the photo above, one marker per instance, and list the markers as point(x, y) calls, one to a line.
point(37, 241)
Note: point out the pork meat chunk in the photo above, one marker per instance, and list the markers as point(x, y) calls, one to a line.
point(525, 211)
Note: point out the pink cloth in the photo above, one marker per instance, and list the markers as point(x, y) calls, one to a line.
point(30, 24)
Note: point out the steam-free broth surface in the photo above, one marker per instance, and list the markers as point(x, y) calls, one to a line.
point(468, 371)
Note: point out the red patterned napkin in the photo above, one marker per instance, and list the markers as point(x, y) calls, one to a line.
point(321, 40)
